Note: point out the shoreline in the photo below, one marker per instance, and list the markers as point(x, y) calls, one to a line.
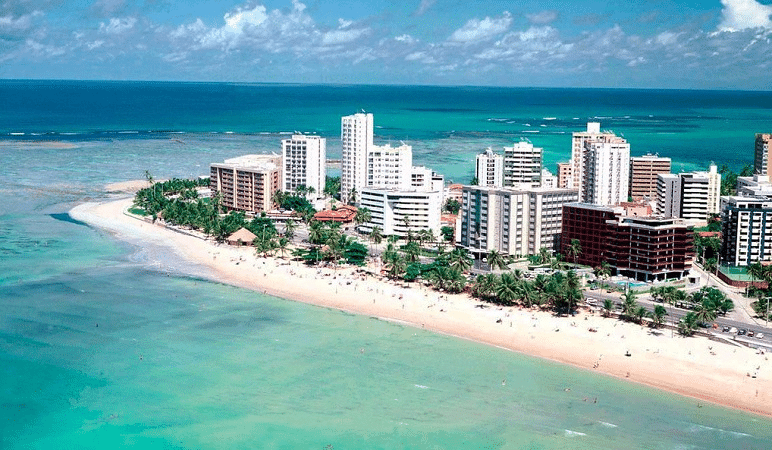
point(694, 367)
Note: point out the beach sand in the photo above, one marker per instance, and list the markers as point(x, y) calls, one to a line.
point(736, 377)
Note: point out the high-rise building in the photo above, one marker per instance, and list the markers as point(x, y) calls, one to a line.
point(490, 169)
point(389, 167)
point(565, 176)
point(356, 137)
point(746, 229)
point(522, 165)
point(600, 165)
point(762, 154)
point(512, 221)
point(578, 149)
point(646, 248)
point(247, 183)
point(691, 195)
point(605, 173)
point(304, 160)
point(643, 175)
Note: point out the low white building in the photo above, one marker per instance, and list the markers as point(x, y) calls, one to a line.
point(389, 208)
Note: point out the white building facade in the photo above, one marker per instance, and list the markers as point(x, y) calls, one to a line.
point(389, 167)
point(606, 172)
point(490, 169)
point(356, 137)
point(747, 230)
point(512, 221)
point(390, 207)
point(304, 163)
point(522, 165)
point(691, 195)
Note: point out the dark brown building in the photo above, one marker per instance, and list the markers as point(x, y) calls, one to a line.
point(646, 248)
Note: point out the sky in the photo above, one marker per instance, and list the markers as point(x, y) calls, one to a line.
point(710, 44)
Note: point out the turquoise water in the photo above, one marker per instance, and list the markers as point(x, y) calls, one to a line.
point(106, 345)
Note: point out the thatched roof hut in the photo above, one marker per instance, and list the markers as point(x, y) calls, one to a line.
point(241, 237)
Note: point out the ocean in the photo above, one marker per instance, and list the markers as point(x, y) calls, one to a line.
point(104, 344)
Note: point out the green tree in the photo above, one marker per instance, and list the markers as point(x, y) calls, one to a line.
point(448, 233)
point(575, 249)
point(496, 260)
point(507, 288)
point(459, 259)
point(658, 316)
point(608, 307)
point(452, 206)
point(363, 215)
point(629, 304)
point(289, 229)
point(688, 324)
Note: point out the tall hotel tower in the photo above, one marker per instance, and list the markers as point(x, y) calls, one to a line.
point(356, 137)
point(304, 160)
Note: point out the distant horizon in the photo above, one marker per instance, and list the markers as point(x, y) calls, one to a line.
point(341, 84)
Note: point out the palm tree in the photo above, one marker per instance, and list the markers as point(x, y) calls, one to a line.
point(289, 229)
point(544, 255)
point(756, 271)
point(640, 313)
point(658, 316)
point(496, 260)
point(575, 249)
point(412, 252)
point(376, 236)
point(688, 324)
point(507, 289)
point(363, 215)
point(705, 312)
point(629, 304)
point(608, 306)
point(396, 266)
point(460, 259)
point(282, 246)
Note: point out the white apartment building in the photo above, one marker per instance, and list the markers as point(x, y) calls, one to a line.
point(356, 137)
point(389, 167)
point(747, 230)
point(490, 169)
point(389, 208)
point(247, 183)
point(605, 179)
point(425, 179)
point(522, 165)
point(762, 154)
point(512, 221)
point(548, 180)
point(757, 185)
point(304, 163)
point(603, 187)
point(690, 195)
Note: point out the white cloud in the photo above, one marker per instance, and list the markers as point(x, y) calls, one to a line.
point(117, 26)
point(406, 38)
point(344, 36)
point(343, 23)
point(743, 14)
point(543, 17)
point(20, 23)
point(424, 6)
point(235, 24)
point(479, 30)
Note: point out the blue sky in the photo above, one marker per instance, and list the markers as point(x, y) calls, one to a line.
point(723, 44)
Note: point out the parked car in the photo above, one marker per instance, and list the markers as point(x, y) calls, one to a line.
point(750, 333)
point(725, 329)
point(733, 330)
point(760, 336)
point(742, 332)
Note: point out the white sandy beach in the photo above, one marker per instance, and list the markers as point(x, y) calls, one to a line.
point(737, 377)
